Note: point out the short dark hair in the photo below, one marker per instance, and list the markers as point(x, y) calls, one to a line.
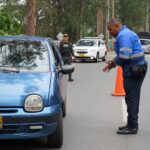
point(113, 21)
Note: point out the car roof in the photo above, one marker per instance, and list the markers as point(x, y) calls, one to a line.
point(95, 39)
point(144, 35)
point(145, 39)
point(30, 38)
point(92, 38)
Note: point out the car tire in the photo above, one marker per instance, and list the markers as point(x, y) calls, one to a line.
point(64, 109)
point(97, 57)
point(105, 57)
point(55, 140)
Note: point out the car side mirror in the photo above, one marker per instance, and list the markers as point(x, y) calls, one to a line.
point(67, 69)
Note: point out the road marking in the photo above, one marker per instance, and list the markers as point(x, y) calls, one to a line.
point(124, 111)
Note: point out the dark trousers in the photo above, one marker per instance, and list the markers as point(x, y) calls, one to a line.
point(133, 88)
point(68, 61)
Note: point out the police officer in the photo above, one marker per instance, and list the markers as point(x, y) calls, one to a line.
point(130, 56)
point(66, 52)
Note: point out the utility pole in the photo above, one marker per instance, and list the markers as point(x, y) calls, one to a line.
point(31, 21)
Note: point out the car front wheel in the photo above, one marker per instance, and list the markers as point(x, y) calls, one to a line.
point(64, 109)
point(105, 57)
point(97, 58)
point(55, 140)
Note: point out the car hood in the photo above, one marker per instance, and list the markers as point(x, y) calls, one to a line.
point(15, 87)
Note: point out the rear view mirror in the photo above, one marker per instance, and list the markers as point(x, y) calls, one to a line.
point(67, 69)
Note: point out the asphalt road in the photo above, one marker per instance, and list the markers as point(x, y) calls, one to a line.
point(93, 114)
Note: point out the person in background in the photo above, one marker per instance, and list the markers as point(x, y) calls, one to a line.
point(109, 44)
point(130, 56)
point(66, 51)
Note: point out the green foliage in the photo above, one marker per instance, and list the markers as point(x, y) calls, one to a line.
point(15, 13)
point(54, 16)
point(8, 25)
point(75, 17)
point(132, 12)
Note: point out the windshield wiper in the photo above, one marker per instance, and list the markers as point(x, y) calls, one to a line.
point(8, 70)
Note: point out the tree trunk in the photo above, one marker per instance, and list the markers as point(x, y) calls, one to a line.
point(107, 16)
point(81, 19)
point(31, 21)
point(99, 24)
point(147, 18)
point(113, 9)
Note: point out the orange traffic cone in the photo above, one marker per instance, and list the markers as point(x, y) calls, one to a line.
point(119, 89)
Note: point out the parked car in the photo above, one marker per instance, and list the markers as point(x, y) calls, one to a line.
point(146, 45)
point(32, 89)
point(90, 48)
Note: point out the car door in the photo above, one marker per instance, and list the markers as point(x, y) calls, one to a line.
point(103, 48)
point(62, 81)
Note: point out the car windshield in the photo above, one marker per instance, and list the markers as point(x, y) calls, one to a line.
point(86, 43)
point(21, 55)
point(144, 42)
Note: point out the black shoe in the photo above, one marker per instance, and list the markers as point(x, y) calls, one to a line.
point(70, 80)
point(122, 127)
point(127, 130)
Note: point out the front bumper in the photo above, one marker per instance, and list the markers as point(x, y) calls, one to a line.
point(23, 125)
point(147, 51)
point(87, 56)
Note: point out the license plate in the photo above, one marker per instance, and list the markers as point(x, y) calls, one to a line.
point(82, 55)
point(1, 122)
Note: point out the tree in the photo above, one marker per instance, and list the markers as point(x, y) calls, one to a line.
point(132, 13)
point(31, 21)
point(78, 18)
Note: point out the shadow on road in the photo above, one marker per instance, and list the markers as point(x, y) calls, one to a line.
point(32, 144)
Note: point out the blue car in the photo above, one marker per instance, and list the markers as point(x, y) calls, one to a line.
point(32, 89)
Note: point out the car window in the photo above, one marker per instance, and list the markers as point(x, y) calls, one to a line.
point(86, 43)
point(144, 42)
point(57, 56)
point(24, 55)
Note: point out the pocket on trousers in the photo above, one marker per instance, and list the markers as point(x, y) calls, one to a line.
point(138, 71)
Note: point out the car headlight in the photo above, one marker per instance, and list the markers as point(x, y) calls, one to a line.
point(33, 103)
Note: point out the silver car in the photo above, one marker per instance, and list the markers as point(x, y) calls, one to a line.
point(146, 45)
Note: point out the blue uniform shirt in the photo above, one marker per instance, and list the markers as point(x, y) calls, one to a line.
point(129, 50)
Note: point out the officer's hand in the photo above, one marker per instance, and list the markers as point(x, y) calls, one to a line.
point(110, 64)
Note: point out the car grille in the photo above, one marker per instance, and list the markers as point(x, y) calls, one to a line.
point(8, 111)
point(9, 129)
point(18, 128)
point(82, 52)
